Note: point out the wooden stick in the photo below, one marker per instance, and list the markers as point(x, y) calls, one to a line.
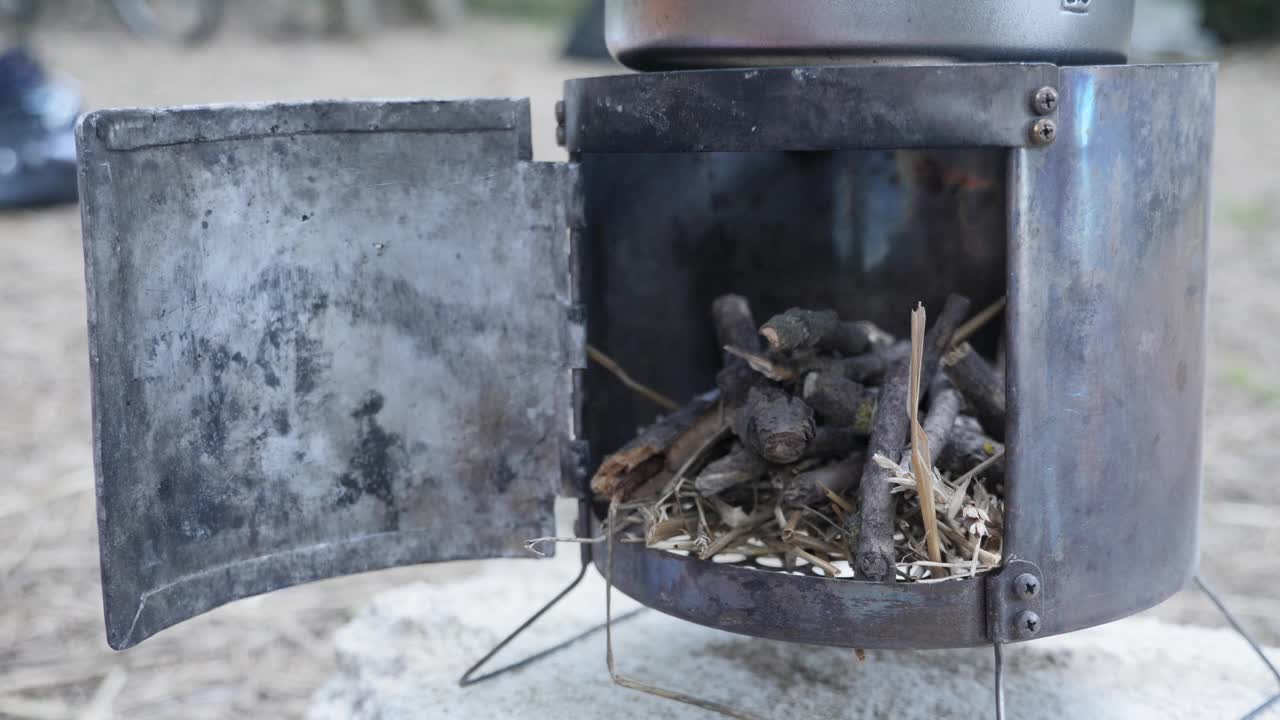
point(889, 432)
point(840, 505)
point(981, 385)
point(724, 541)
point(968, 448)
point(767, 366)
point(777, 426)
point(976, 323)
point(921, 460)
point(986, 557)
point(811, 488)
point(645, 456)
point(677, 480)
point(649, 490)
point(688, 442)
point(835, 442)
point(827, 567)
point(664, 530)
point(810, 543)
point(797, 329)
point(944, 408)
point(739, 467)
point(864, 368)
point(789, 529)
point(612, 366)
point(840, 401)
point(735, 325)
point(877, 336)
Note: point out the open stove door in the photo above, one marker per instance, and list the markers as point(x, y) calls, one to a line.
point(325, 338)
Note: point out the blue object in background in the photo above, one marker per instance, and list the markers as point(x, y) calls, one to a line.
point(37, 134)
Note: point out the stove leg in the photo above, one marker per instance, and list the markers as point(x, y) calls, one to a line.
point(469, 677)
point(1257, 649)
point(999, 650)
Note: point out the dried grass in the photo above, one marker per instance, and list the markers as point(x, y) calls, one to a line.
point(968, 515)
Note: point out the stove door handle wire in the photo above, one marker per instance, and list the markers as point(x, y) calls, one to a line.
point(470, 678)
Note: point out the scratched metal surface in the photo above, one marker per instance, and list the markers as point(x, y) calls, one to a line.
point(325, 338)
point(1107, 233)
point(779, 605)
point(682, 34)
point(890, 107)
point(1107, 259)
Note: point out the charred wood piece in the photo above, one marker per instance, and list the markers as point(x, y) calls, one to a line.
point(879, 339)
point(968, 447)
point(840, 401)
point(798, 329)
point(626, 470)
point(873, 549)
point(835, 442)
point(944, 408)
point(981, 384)
point(867, 368)
point(777, 426)
point(806, 488)
point(739, 467)
point(735, 325)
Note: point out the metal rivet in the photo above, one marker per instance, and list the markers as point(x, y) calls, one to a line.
point(1045, 101)
point(1027, 625)
point(1044, 132)
point(560, 110)
point(1026, 585)
point(560, 137)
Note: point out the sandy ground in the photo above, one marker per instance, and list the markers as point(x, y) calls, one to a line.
point(389, 668)
point(264, 657)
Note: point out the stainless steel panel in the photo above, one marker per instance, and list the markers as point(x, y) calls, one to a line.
point(325, 338)
point(806, 108)
point(795, 608)
point(1107, 271)
point(685, 34)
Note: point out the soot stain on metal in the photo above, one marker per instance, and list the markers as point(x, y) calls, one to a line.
point(270, 341)
point(309, 363)
point(377, 462)
point(230, 360)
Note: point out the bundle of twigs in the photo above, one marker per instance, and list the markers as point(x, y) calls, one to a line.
point(828, 448)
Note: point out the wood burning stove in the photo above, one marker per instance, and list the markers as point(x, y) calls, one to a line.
point(335, 337)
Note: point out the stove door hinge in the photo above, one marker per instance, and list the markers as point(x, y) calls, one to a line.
point(1015, 602)
point(575, 450)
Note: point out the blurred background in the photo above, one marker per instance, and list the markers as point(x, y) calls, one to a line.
point(263, 657)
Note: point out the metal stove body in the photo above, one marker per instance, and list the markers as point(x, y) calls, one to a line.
point(335, 337)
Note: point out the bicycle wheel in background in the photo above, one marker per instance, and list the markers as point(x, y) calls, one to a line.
point(189, 22)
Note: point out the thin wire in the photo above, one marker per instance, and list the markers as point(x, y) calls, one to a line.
point(1257, 649)
point(623, 680)
point(999, 680)
point(467, 679)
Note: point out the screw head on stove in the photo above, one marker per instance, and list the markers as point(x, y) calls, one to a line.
point(1027, 624)
point(1045, 101)
point(1026, 585)
point(1044, 132)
